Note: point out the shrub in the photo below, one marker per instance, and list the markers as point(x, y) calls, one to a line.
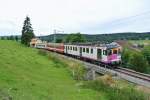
point(138, 62)
point(146, 53)
point(57, 60)
point(42, 52)
point(114, 93)
point(125, 56)
point(78, 72)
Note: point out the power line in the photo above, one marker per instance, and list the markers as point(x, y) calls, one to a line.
point(118, 22)
point(130, 17)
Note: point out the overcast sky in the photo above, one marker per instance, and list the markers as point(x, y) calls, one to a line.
point(85, 16)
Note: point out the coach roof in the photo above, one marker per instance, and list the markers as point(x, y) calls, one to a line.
point(109, 46)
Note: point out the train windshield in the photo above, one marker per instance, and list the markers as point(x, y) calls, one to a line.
point(115, 51)
point(109, 52)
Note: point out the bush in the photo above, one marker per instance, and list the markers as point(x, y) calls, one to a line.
point(146, 53)
point(57, 60)
point(125, 56)
point(115, 93)
point(138, 62)
point(78, 72)
point(42, 52)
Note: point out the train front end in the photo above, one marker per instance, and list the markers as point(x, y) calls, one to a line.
point(114, 58)
point(113, 54)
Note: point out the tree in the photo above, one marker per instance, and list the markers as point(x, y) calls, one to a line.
point(11, 37)
point(2, 38)
point(59, 40)
point(27, 32)
point(75, 38)
point(125, 56)
point(146, 53)
point(8, 38)
point(138, 62)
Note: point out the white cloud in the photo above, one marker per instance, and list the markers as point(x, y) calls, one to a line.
point(68, 15)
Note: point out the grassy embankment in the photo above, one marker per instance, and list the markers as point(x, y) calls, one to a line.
point(26, 74)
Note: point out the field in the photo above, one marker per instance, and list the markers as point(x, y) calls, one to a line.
point(146, 42)
point(26, 75)
point(135, 45)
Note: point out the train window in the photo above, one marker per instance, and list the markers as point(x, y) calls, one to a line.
point(75, 48)
point(70, 48)
point(83, 49)
point(114, 51)
point(109, 52)
point(104, 52)
point(92, 51)
point(87, 50)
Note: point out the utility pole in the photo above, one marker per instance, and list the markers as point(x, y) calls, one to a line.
point(56, 32)
point(54, 36)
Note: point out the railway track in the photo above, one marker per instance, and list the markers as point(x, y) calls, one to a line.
point(129, 72)
point(124, 73)
point(133, 73)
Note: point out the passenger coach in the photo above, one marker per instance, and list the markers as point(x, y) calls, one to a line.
point(105, 53)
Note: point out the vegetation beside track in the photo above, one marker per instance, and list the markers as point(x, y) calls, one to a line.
point(136, 55)
point(116, 90)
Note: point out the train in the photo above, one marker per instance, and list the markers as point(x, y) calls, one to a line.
point(109, 54)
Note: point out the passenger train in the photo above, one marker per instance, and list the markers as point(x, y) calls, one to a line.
point(105, 53)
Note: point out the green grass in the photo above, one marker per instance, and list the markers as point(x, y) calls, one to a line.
point(26, 75)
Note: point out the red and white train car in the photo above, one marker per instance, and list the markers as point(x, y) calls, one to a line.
point(56, 47)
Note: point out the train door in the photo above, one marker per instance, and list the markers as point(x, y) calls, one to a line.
point(66, 47)
point(99, 54)
point(80, 51)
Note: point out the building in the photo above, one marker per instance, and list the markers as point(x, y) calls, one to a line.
point(37, 43)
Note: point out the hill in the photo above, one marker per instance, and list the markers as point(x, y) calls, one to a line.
point(26, 75)
point(103, 37)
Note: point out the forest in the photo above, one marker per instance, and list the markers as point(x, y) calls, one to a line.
point(101, 37)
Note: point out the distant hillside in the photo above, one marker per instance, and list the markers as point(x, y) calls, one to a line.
point(103, 37)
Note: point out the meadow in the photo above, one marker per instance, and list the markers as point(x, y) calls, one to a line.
point(26, 75)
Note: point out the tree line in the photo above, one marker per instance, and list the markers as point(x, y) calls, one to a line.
point(103, 38)
point(16, 38)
